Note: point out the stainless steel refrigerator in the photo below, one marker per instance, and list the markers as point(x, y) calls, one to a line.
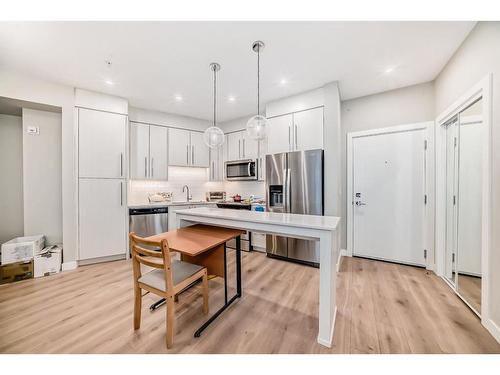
point(294, 184)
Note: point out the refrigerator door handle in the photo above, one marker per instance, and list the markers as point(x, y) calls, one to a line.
point(288, 188)
point(285, 190)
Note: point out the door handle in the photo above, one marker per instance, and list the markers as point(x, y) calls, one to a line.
point(121, 164)
point(145, 166)
point(359, 203)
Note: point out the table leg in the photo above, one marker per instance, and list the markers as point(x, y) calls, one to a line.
point(238, 288)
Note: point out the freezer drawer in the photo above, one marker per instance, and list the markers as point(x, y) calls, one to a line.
point(276, 245)
point(303, 250)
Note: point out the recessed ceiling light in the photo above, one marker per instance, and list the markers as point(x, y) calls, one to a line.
point(389, 70)
point(178, 98)
point(109, 82)
point(231, 98)
point(283, 81)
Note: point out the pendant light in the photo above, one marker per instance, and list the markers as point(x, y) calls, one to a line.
point(214, 136)
point(257, 125)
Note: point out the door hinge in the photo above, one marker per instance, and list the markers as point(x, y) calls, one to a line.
point(425, 144)
point(425, 253)
point(425, 198)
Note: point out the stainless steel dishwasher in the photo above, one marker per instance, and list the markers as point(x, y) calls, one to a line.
point(148, 221)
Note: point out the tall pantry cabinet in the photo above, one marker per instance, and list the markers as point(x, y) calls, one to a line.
point(102, 184)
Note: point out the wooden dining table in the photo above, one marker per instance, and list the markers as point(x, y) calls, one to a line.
point(205, 245)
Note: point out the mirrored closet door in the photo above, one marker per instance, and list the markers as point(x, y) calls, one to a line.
point(464, 175)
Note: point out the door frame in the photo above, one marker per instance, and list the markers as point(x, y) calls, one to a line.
point(427, 189)
point(481, 89)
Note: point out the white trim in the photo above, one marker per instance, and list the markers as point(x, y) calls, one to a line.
point(429, 181)
point(67, 266)
point(342, 253)
point(492, 328)
point(482, 89)
point(110, 258)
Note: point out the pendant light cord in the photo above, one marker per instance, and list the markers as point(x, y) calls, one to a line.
point(258, 80)
point(215, 95)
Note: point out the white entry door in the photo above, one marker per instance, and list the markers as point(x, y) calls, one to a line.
point(388, 181)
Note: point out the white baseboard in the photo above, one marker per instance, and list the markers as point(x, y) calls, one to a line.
point(110, 258)
point(67, 266)
point(342, 253)
point(492, 328)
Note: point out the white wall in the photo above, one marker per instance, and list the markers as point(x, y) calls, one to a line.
point(477, 56)
point(396, 107)
point(42, 175)
point(166, 119)
point(11, 181)
point(24, 87)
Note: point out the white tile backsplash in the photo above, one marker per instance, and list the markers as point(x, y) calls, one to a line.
point(197, 180)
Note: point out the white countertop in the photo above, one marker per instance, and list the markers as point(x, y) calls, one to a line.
point(292, 220)
point(166, 204)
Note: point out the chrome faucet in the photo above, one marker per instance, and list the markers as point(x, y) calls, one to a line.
point(188, 196)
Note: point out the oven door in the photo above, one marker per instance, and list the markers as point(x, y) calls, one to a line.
point(241, 170)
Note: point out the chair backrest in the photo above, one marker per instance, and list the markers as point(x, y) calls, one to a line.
point(141, 255)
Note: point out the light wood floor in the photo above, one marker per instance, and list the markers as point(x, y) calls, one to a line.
point(382, 308)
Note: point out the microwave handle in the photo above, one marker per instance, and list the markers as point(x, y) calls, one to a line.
point(249, 169)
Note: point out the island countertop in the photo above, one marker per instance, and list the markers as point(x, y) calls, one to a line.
point(292, 220)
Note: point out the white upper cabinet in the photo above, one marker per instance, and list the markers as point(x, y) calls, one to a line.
point(199, 150)
point(279, 135)
point(102, 145)
point(216, 164)
point(139, 151)
point(233, 146)
point(308, 129)
point(298, 131)
point(241, 146)
point(158, 154)
point(187, 148)
point(250, 148)
point(178, 147)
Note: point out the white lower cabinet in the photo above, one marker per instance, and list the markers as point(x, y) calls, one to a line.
point(258, 241)
point(102, 218)
point(172, 217)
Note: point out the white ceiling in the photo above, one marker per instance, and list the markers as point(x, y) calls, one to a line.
point(154, 61)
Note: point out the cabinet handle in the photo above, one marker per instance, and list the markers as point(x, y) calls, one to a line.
point(121, 193)
point(145, 166)
point(239, 148)
point(152, 167)
point(296, 134)
point(187, 154)
point(192, 154)
point(243, 147)
point(121, 164)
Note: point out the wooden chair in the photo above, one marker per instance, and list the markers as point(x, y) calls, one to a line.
point(168, 278)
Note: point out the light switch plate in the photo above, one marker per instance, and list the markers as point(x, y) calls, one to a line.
point(33, 130)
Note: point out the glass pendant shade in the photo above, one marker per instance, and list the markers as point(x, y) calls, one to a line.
point(213, 137)
point(257, 127)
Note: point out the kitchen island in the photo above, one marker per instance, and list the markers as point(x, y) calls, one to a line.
point(322, 229)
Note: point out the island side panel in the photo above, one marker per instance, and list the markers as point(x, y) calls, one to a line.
point(329, 250)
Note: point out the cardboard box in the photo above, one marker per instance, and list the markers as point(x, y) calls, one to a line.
point(16, 272)
point(22, 248)
point(48, 262)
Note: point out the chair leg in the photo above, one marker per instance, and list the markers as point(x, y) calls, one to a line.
point(137, 307)
point(205, 293)
point(170, 321)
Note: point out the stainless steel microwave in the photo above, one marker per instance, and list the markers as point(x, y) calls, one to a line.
point(239, 170)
